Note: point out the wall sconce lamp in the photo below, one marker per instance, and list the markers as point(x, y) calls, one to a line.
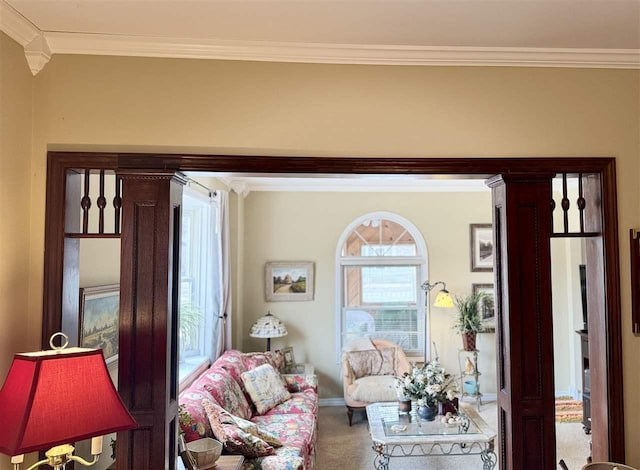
point(51, 398)
point(443, 299)
point(268, 326)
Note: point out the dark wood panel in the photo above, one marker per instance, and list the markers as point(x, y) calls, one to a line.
point(534, 451)
point(527, 303)
point(335, 165)
point(611, 340)
point(148, 333)
point(145, 223)
point(526, 402)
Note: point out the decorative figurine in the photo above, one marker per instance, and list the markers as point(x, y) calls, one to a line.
point(469, 367)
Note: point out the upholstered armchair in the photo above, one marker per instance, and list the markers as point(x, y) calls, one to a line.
point(368, 370)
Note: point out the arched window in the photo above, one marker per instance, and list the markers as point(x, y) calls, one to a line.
point(381, 261)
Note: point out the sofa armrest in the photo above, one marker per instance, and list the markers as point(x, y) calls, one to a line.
point(300, 382)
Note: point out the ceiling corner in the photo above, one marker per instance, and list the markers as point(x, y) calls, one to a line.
point(16, 26)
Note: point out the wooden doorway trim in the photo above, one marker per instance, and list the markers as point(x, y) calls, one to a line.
point(60, 162)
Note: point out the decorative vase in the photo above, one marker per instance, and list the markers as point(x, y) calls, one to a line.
point(469, 341)
point(404, 406)
point(427, 413)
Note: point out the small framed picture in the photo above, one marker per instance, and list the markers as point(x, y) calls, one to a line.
point(481, 236)
point(99, 309)
point(287, 354)
point(488, 305)
point(288, 280)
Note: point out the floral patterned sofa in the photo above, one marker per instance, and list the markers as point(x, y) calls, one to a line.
point(293, 421)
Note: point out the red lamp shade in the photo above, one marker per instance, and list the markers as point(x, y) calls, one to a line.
point(58, 397)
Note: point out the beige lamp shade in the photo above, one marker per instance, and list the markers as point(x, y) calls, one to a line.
point(268, 326)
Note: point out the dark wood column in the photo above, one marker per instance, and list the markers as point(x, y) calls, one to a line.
point(149, 276)
point(524, 330)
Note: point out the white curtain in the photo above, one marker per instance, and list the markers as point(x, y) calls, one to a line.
point(223, 288)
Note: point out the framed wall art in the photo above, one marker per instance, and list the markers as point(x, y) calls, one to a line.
point(288, 280)
point(488, 305)
point(481, 236)
point(99, 308)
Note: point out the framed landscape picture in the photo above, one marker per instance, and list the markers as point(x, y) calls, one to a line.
point(286, 280)
point(481, 247)
point(99, 308)
point(488, 306)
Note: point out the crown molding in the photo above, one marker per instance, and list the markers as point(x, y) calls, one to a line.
point(16, 26)
point(100, 44)
point(245, 185)
point(25, 33)
point(39, 51)
point(38, 54)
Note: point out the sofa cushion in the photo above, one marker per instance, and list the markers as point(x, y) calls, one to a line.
point(265, 387)
point(225, 391)
point(372, 362)
point(233, 362)
point(300, 402)
point(294, 430)
point(193, 419)
point(373, 388)
point(238, 435)
point(285, 458)
point(256, 359)
point(301, 382)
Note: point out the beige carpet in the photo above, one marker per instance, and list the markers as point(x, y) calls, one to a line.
point(342, 447)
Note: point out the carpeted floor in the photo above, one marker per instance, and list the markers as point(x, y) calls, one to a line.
point(342, 447)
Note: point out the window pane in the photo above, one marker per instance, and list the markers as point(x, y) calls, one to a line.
point(198, 316)
point(382, 265)
point(402, 326)
point(379, 235)
point(381, 285)
point(389, 250)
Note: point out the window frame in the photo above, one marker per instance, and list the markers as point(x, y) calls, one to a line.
point(208, 209)
point(421, 261)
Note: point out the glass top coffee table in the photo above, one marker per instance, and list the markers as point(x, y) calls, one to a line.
point(405, 435)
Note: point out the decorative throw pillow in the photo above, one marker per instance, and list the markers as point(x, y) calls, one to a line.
point(225, 391)
point(265, 387)
point(239, 435)
point(192, 416)
point(372, 362)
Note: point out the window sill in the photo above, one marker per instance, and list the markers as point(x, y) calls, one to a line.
point(190, 369)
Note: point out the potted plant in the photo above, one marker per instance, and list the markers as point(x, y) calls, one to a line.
point(189, 323)
point(430, 385)
point(469, 320)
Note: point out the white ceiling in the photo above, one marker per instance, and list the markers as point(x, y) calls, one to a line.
point(244, 183)
point(611, 24)
point(567, 33)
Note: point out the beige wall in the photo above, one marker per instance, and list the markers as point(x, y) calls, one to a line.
point(566, 256)
point(303, 109)
point(304, 226)
point(20, 322)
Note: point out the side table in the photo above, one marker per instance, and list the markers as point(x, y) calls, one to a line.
point(298, 369)
point(225, 462)
point(470, 357)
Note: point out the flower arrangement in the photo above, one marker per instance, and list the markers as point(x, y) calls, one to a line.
point(428, 385)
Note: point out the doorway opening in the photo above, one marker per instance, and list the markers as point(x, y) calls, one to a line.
point(606, 335)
